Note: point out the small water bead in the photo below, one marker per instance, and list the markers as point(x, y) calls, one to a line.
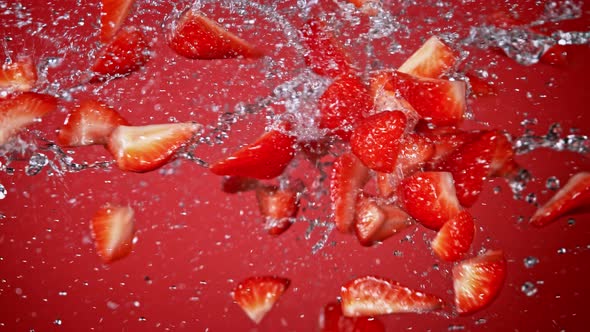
point(3, 192)
point(36, 164)
point(530, 261)
point(561, 251)
point(57, 322)
point(531, 198)
point(552, 183)
point(571, 221)
point(529, 288)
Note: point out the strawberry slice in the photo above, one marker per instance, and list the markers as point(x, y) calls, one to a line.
point(575, 194)
point(325, 55)
point(145, 148)
point(113, 230)
point(126, 53)
point(198, 37)
point(348, 177)
point(19, 111)
point(278, 207)
point(266, 158)
point(430, 198)
point(455, 237)
point(236, 184)
point(376, 221)
point(112, 15)
point(19, 75)
point(387, 100)
point(343, 104)
point(371, 296)
point(90, 123)
point(478, 280)
point(332, 320)
point(414, 151)
point(446, 141)
point(257, 295)
point(387, 183)
point(376, 140)
point(432, 60)
point(503, 163)
point(441, 102)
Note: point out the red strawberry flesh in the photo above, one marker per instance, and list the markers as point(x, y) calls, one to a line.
point(432, 60)
point(257, 295)
point(348, 177)
point(455, 237)
point(19, 111)
point(113, 230)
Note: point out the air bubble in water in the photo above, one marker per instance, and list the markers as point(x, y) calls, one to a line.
point(3, 192)
point(57, 322)
point(552, 183)
point(36, 164)
point(530, 261)
point(561, 251)
point(529, 289)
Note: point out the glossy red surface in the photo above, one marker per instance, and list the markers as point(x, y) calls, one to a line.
point(196, 242)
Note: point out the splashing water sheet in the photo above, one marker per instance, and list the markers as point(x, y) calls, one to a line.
point(193, 242)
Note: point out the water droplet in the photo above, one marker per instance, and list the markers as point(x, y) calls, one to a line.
point(530, 261)
point(552, 183)
point(62, 293)
point(571, 221)
point(531, 198)
point(142, 319)
point(456, 328)
point(529, 289)
point(112, 305)
point(561, 251)
point(57, 322)
point(3, 192)
point(36, 164)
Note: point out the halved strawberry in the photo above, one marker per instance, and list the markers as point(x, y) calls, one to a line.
point(325, 56)
point(113, 228)
point(257, 295)
point(19, 111)
point(430, 198)
point(348, 177)
point(455, 237)
point(266, 158)
point(126, 53)
point(278, 207)
point(376, 221)
point(112, 15)
point(441, 102)
point(471, 166)
point(332, 320)
point(371, 296)
point(236, 184)
point(343, 104)
point(198, 37)
point(145, 148)
point(432, 60)
point(478, 280)
point(376, 140)
point(19, 75)
point(575, 194)
point(90, 123)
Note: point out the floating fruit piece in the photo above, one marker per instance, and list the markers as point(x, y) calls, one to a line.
point(348, 177)
point(113, 229)
point(278, 207)
point(257, 295)
point(19, 111)
point(112, 15)
point(325, 56)
point(332, 320)
point(455, 237)
point(19, 75)
point(375, 221)
point(432, 60)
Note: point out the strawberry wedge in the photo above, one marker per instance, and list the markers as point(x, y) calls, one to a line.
point(90, 123)
point(266, 158)
point(197, 37)
point(19, 75)
point(19, 111)
point(127, 52)
point(372, 296)
point(348, 177)
point(438, 101)
point(325, 55)
point(477, 281)
point(278, 207)
point(574, 195)
point(145, 148)
point(113, 230)
point(112, 15)
point(376, 221)
point(430, 198)
point(257, 295)
point(432, 60)
point(454, 238)
point(332, 320)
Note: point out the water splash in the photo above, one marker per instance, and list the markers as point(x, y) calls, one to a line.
point(553, 140)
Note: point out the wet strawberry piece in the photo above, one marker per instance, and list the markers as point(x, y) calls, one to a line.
point(19, 111)
point(414, 151)
point(146, 148)
point(372, 296)
point(375, 221)
point(574, 195)
point(332, 320)
point(112, 15)
point(257, 295)
point(455, 237)
point(477, 281)
point(369, 7)
point(479, 86)
point(438, 101)
point(18, 75)
point(91, 122)
point(432, 60)
point(430, 198)
point(278, 207)
point(236, 184)
point(198, 37)
point(324, 55)
point(376, 140)
point(127, 52)
point(112, 230)
point(266, 158)
point(343, 104)
point(348, 177)
point(503, 163)
point(446, 141)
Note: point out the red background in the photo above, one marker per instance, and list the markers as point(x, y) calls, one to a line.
point(195, 242)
